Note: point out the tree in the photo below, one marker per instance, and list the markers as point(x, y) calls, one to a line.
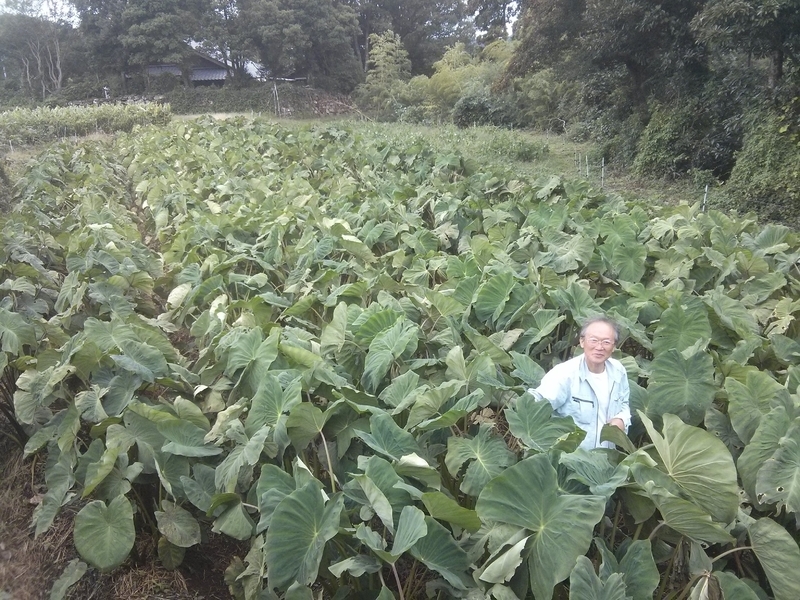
point(224, 34)
point(389, 70)
point(427, 27)
point(547, 31)
point(159, 30)
point(102, 28)
point(32, 51)
point(493, 17)
point(762, 29)
point(306, 38)
point(649, 42)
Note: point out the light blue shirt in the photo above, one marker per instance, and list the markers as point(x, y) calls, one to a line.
point(568, 389)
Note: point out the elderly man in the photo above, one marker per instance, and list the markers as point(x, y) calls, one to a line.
point(592, 388)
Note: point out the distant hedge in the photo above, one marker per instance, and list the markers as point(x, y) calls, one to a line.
point(294, 101)
point(25, 126)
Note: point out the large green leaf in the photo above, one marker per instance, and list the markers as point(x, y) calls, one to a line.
point(681, 386)
point(15, 332)
point(305, 423)
point(301, 526)
point(779, 555)
point(629, 262)
point(778, 480)
point(104, 534)
point(487, 455)
point(534, 423)
point(493, 295)
point(639, 570)
point(177, 525)
point(270, 403)
point(763, 445)
point(700, 464)
point(686, 517)
point(37, 389)
point(376, 501)
point(733, 587)
point(750, 400)
point(444, 508)
point(576, 299)
point(142, 359)
point(247, 453)
point(439, 551)
point(566, 252)
point(732, 313)
point(594, 470)
point(385, 349)
point(584, 584)
point(681, 326)
point(526, 495)
point(411, 527)
point(387, 438)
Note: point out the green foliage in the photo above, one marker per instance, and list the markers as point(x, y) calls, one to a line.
point(306, 38)
point(36, 126)
point(318, 340)
point(766, 178)
point(542, 98)
point(667, 145)
point(295, 101)
point(389, 70)
point(483, 108)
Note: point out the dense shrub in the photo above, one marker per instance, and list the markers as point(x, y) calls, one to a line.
point(667, 146)
point(34, 126)
point(543, 100)
point(766, 178)
point(483, 108)
point(515, 145)
point(701, 131)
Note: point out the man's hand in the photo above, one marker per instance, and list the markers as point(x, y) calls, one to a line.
point(617, 423)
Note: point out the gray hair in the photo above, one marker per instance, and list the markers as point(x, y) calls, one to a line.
point(601, 319)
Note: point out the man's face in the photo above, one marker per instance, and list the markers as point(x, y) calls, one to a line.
point(598, 344)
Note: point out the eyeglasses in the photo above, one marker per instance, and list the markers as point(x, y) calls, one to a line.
point(593, 341)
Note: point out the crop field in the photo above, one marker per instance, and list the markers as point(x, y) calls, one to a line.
point(316, 340)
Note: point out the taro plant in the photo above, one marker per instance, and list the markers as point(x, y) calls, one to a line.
point(318, 340)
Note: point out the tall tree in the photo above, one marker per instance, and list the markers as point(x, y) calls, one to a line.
point(159, 30)
point(306, 38)
point(651, 40)
point(102, 28)
point(427, 27)
point(493, 17)
point(224, 35)
point(760, 28)
point(548, 32)
point(648, 42)
point(32, 50)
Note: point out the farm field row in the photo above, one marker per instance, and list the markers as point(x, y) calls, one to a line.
point(316, 340)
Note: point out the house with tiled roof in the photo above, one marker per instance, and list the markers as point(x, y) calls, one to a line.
point(201, 70)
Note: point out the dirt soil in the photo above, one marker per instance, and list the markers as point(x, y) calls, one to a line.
point(29, 567)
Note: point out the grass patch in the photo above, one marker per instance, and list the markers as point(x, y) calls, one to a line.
point(532, 155)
